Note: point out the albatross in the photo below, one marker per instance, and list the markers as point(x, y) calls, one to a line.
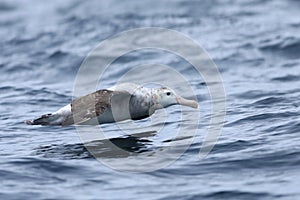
point(118, 103)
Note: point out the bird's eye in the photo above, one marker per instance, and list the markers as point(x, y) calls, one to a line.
point(168, 93)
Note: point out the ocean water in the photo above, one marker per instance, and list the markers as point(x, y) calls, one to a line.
point(254, 43)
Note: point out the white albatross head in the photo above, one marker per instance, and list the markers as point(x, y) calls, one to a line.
point(165, 97)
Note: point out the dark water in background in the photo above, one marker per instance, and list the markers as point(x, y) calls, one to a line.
point(255, 44)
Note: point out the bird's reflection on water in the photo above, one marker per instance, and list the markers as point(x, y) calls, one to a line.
point(107, 148)
point(122, 146)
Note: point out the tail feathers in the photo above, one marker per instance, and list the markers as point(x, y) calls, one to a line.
point(44, 120)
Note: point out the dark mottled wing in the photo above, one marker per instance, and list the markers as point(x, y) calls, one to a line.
point(92, 105)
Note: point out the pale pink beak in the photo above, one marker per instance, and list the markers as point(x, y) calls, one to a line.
point(186, 102)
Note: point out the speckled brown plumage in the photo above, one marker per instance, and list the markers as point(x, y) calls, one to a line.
point(92, 105)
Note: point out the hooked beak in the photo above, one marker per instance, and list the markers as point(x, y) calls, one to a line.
point(186, 102)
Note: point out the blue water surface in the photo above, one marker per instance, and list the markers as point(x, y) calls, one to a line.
point(256, 46)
